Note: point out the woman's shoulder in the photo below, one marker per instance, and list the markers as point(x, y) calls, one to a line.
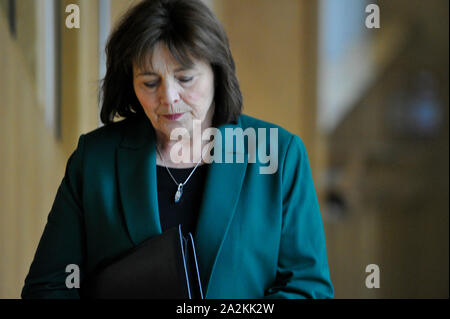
point(284, 135)
point(113, 130)
point(127, 131)
point(103, 141)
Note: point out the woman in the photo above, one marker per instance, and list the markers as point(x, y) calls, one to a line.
point(169, 67)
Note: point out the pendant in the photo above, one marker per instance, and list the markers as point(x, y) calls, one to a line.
point(179, 193)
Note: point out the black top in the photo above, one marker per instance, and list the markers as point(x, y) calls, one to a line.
point(186, 211)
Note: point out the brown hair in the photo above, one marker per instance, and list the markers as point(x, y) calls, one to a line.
point(189, 30)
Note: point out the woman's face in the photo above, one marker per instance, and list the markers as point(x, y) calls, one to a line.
point(173, 96)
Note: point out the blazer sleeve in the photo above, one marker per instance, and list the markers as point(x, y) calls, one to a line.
point(302, 263)
point(62, 242)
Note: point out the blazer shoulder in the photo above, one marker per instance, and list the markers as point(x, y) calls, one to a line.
point(104, 140)
point(284, 136)
point(113, 131)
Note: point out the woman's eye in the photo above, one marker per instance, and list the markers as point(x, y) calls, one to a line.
point(151, 85)
point(185, 79)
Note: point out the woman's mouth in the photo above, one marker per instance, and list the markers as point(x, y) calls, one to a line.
point(173, 117)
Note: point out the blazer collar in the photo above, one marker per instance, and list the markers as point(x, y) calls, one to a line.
point(136, 169)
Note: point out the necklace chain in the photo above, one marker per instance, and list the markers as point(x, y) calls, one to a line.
point(187, 179)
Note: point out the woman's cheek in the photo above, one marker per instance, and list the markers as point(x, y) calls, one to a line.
point(149, 102)
point(196, 100)
point(190, 98)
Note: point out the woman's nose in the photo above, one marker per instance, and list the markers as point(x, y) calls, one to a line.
point(169, 94)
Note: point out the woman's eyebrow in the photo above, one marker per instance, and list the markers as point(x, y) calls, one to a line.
point(180, 69)
point(147, 73)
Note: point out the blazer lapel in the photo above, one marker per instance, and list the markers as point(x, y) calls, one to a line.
point(221, 193)
point(136, 171)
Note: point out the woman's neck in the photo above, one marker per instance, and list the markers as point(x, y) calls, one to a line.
point(183, 153)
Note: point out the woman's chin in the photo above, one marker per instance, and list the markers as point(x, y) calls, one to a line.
point(175, 129)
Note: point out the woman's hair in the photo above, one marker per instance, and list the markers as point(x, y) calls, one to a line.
point(189, 30)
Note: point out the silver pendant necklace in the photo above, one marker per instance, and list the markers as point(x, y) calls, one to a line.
point(179, 191)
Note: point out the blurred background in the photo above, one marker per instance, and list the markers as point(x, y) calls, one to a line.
point(370, 104)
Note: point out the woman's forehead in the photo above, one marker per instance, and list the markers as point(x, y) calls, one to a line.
point(160, 58)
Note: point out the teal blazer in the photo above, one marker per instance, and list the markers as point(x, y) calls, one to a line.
point(258, 235)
